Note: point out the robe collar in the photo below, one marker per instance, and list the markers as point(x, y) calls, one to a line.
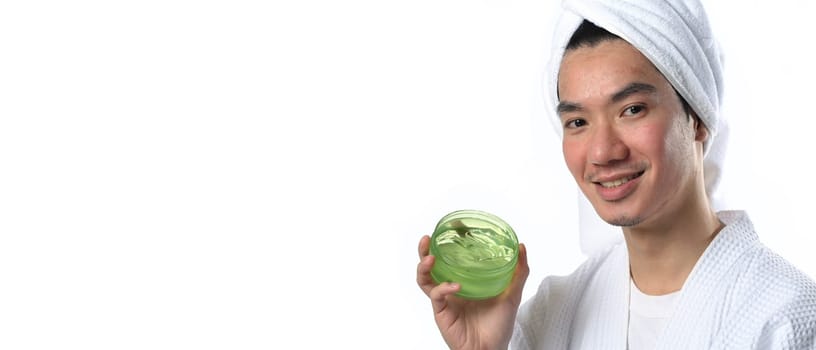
point(601, 319)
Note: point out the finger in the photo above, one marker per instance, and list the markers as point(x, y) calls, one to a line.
point(424, 244)
point(523, 267)
point(424, 279)
point(439, 295)
point(520, 275)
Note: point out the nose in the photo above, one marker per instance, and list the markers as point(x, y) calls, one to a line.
point(606, 146)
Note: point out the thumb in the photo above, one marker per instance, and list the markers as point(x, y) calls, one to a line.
point(520, 275)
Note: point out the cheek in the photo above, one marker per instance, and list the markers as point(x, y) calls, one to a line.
point(666, 149)
point(652, 140)
point(676, 145)
point(574, 156)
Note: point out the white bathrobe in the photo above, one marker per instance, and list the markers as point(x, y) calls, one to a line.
point(740, 295)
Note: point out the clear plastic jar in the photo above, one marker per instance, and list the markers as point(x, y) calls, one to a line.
point(476, 249)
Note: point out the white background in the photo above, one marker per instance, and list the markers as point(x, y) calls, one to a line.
point(256, 175)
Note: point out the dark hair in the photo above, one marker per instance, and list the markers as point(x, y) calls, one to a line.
point(589, 35)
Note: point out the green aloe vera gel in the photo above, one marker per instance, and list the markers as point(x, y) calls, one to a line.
point(476, 249)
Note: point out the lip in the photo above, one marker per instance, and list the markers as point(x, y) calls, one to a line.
point(620, 192)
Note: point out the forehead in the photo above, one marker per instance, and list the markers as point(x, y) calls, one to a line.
point(601, 69)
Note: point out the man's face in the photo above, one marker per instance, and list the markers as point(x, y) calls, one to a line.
point(627, 140)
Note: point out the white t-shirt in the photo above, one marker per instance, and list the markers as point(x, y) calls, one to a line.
point(648, 315)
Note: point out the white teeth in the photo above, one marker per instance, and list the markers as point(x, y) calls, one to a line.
point(618, 182)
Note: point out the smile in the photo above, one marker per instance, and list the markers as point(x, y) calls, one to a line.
point(621, 181)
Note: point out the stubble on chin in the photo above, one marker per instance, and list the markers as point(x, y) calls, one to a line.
point(624, 221)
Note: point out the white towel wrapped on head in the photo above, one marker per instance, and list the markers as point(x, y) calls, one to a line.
point(676, 37)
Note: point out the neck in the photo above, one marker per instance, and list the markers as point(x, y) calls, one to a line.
point(662, 255)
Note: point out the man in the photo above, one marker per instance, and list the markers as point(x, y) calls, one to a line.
point(638, 114)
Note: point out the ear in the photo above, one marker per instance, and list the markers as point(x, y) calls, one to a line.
point(700, 130)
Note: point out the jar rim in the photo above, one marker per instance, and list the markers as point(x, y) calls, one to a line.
point(488, 218)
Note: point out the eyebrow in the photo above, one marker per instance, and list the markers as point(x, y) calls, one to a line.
point(632, 89)
point(622, 94)
point(567, 107)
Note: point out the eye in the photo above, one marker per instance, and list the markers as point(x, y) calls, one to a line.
point(575, 123)
point(633, 110)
